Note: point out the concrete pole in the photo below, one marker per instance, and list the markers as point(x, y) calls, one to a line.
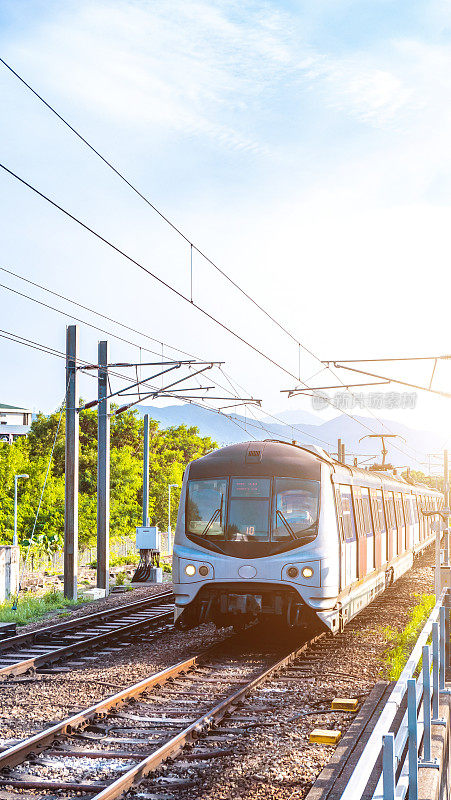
point(339, 450)
point(71, 466)
point(146, 472)
point(103, 471)
point(343, 453)
point(15, 511)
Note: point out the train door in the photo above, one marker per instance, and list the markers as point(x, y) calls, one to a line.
point(400, 523)
point(377, 529)
point(341, 533)
point(368, 529)
point(383, 526)
point(350, 532)
point(361, 536)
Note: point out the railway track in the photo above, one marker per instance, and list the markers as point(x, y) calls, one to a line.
point(108, 748)
point(41, 650)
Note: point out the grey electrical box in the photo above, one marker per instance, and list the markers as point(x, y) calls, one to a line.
point(148, 538)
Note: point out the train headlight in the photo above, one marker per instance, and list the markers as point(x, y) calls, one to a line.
point(190, 570)
point(307, 572)
point(292, 572)
point(203, 570)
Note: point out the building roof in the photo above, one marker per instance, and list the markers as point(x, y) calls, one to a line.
point(13, 408)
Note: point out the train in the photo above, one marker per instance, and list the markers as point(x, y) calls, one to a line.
point(279, 531)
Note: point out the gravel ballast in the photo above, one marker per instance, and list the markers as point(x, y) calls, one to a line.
point(269, 734)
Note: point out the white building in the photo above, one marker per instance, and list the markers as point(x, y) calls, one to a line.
point(14, 422)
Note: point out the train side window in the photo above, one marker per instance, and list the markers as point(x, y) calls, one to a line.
point(380, 506)
point(375, 512)
point(391, 510)
point(349, 527)
point(407, 510)
point(367, 521)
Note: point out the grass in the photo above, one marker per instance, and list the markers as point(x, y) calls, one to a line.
point(401, 643)
point(33, 607)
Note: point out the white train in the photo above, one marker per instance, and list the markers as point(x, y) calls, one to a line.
point(271, 529)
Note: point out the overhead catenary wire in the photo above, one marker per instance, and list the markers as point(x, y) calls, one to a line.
point(154, 208)
point(178, 230)
point(97, 313)
point(140, 333)
point(22, 340)
point(171, 288)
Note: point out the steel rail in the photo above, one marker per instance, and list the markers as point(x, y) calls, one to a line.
point(37, 743)
point(86, 620)
point(206, 721)
point(18, 753)
point(85, 644)
point(90, 641)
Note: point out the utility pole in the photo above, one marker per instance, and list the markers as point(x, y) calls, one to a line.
point(339, 451)
point(343, 453)
point(71, 466)
point(146, 473)
point(103, 470)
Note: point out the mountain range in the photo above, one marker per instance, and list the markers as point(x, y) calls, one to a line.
point(307, 428)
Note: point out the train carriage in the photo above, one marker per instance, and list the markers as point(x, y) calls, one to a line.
point(272, 529)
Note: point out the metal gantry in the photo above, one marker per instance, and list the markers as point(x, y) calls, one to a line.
point(140, 389)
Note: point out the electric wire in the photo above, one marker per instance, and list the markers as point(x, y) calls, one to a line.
point(153, 207)
point(179, 294)
point(98, 313)
point(191, 244)
point(18, 339)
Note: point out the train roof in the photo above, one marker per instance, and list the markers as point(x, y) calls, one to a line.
point(271, 456)
point(258, 458)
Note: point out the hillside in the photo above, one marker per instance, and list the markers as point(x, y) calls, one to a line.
point(304, 427)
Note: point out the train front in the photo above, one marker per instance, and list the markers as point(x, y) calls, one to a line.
point(250, 540)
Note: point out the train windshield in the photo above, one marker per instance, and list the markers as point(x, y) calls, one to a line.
point(205, 509)
point(253, 509)
point(249, 510)
point(295, 508)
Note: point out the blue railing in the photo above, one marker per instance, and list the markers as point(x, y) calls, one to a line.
point(400, 750)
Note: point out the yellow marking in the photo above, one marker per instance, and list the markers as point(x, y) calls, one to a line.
point(321, 736)
point(344, 704)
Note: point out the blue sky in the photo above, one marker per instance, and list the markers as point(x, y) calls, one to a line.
point(305, 146)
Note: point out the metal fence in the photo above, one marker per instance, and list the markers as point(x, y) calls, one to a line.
point(119, 547)
point(418, 689)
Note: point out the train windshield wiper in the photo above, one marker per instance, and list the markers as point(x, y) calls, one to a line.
point(213, 518)
point(287, 525)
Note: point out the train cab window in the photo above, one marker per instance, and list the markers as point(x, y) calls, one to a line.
point(295, 509)
point(206, 507)
point(249, 510)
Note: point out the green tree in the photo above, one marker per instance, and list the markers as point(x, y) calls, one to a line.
point(170, 451)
